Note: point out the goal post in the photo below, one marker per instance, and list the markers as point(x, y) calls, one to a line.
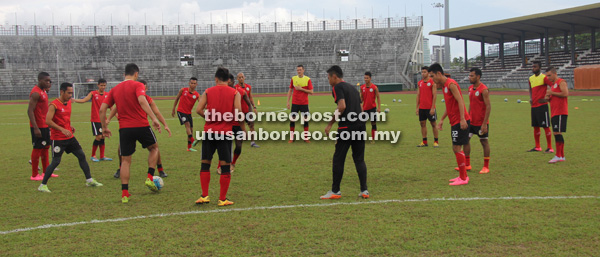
point(81, 90)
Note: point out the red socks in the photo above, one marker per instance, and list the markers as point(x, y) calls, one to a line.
point(204, 181)
point(235, 157)
point(536, 135)
point(460, 160)
point(373, 133)
point(486, 162)
point(225, 180)
point(560, 149)
point(35, 161)
point(125, 192)
point(94, 148)
point(102, 151)
point(548, 137)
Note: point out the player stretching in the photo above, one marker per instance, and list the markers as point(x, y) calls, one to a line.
point(301, 86)
point(59, 120)
point(130, 98)
point(97, 98)
point(241, 84)
point(159, 116)
point(426, 97)
point(558, 93)
point(217, 101)
point(369, 92)
point(40, 133)
point(347, 99)
point(459, 119)
point(479, 110)
point(538, 84)
point(189, 96)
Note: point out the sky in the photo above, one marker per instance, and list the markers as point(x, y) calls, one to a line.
point(156, 12)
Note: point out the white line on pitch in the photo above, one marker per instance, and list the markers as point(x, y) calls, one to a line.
point(294, 206)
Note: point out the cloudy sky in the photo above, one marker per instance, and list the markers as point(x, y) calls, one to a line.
point(156, 12)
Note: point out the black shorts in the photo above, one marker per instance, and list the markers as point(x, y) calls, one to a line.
point(61, 146)
point(459, 136)
point(42, 142)
point(559, 123)
point(474, 130)
point(357, 144)
point(540, 116)
point(222, 147)
point(128, 137)
point(237, 131)
point(372, 114)
point(424, 115)
point(300, 108)
point(96, 128)
point(183, 118)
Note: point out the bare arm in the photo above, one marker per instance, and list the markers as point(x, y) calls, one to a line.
point(441, 122)
point(530, 94)
point(488, 106)
point(434, 93)
point(378, 100)
point(237, 103)
point(113, 112)
point(288, 97)
point(201, 105)
point(251, 99)
point(176, 101)
point(310, 92)
point(564, 90)
point(102, 112)
point(248, 101)
point(84, 100)
point(160, 116)
point(146, 107)
point(341, 107)
point(33, 99)
point(418, 99)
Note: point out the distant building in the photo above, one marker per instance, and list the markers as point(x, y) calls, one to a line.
point(426, 52)
point(438, 54)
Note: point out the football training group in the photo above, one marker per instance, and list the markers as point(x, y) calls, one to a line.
point(51, 128)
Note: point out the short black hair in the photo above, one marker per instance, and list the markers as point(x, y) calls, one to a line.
point(300, 66)
point(424, 68)
point(477, 71)
point(43, 75)
point(65, 85)
point(435, 68)
point(222, 74)
point(336, 70)
point(551, 68)
point(368, 73)
point(131, 68)
point(231, 77)
point(194, 78)
point(143, 82)
point(100, 81)
point(538, 63)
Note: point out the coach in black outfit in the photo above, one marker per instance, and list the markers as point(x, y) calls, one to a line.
point(351, 133)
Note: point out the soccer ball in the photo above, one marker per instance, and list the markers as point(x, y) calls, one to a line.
point(386, 110)
point(394, 100)
point(158, 181)
point(443, 100)
point(399, 100)
point(518, 101)
point(505, 99)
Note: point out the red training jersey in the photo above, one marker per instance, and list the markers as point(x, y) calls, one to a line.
point(539, 84)
point(97, 100)
point(426, 94)
point(558, 105)
point(243, 92)
point(41, 107)
point(368, 96)
point(477, 105)
point(247, 87)
point(187, 101)
point(219, 101)
point(299, 97)
point(62, 118)
point(125, 96)
point(452, 104)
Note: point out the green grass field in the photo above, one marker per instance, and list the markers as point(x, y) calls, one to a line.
point(280, 174)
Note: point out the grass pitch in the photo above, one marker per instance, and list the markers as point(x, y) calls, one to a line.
point(279, 174)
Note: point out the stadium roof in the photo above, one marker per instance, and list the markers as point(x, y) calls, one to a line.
point(558, 22)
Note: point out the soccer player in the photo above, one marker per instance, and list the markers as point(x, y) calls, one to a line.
point(538, 84)
point(40, 133)
point(241, 84)
point(59, 120)
point(218, 101)
point(301, 86)
point(559, 105)
point(426, 98)
point(347, 99)
point(159, 166)
point(458, 116)
point(189, 96)
point(130, 98)
point(370, 92)
point(479, 110)
point(97, 98)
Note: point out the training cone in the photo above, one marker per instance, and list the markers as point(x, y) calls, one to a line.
point(257, 102)
point(576, 108)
